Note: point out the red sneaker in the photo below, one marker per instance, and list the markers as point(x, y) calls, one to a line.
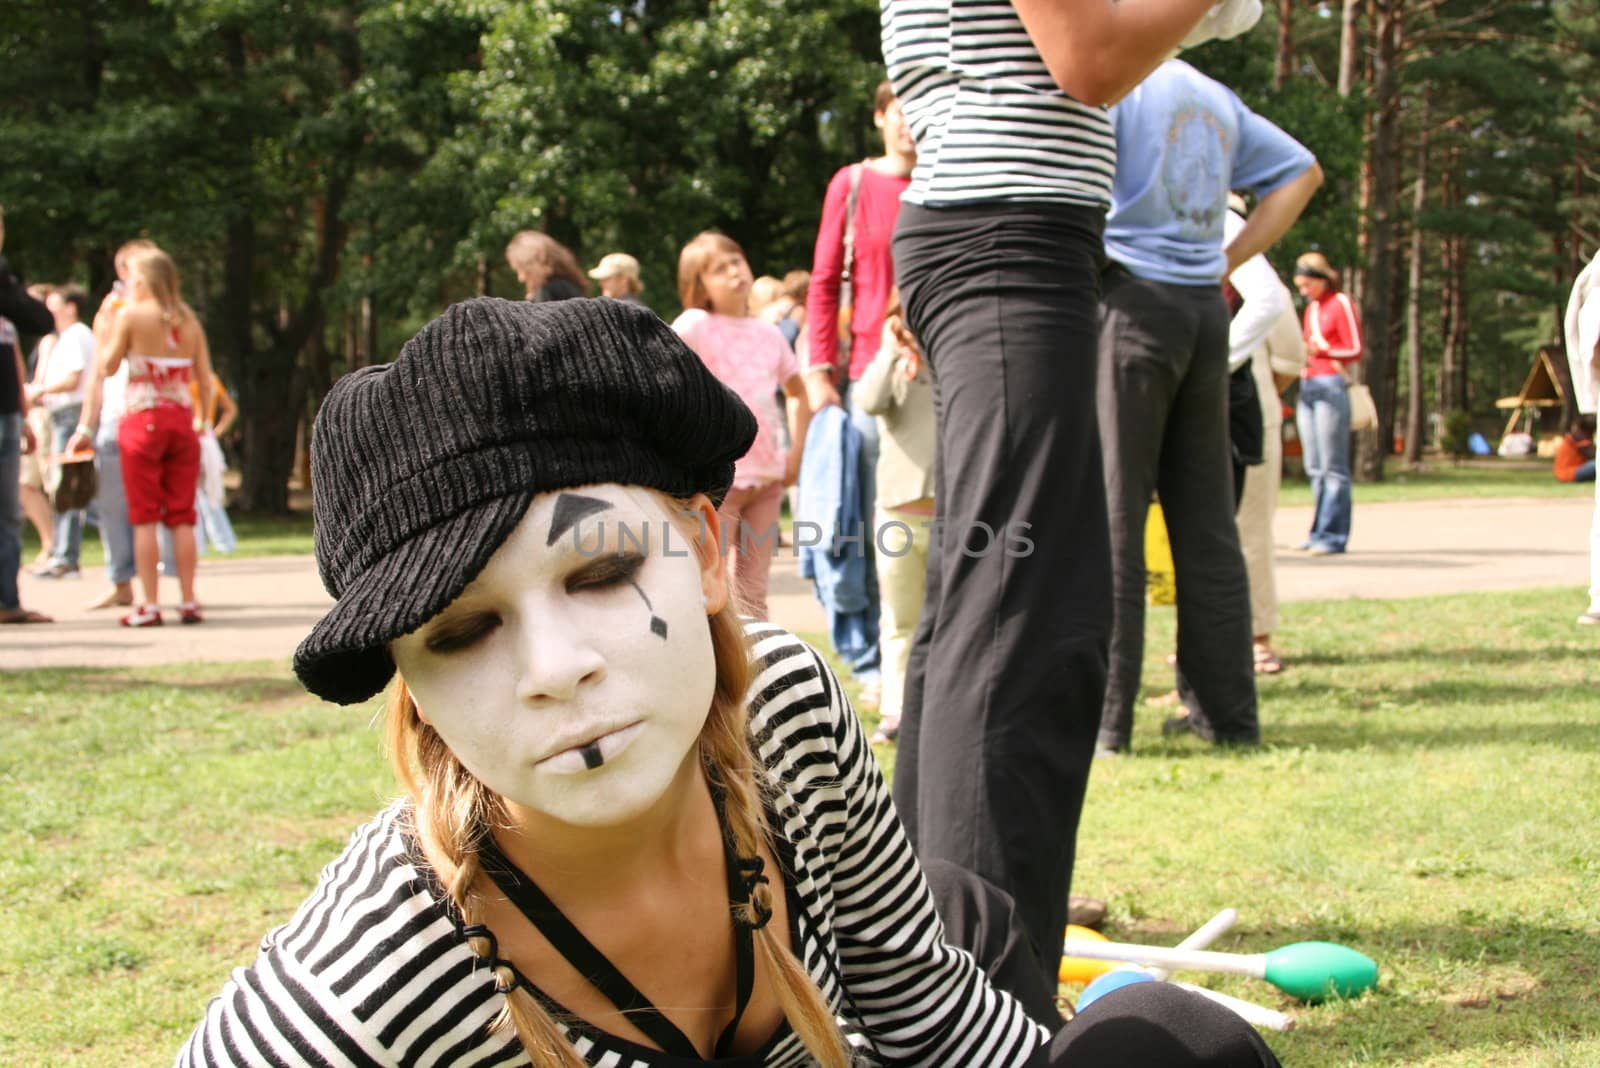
point(144, 616)
point(189, 612)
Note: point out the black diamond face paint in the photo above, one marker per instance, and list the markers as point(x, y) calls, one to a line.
point(658, 626)
point(572, 509)
point(592, 757)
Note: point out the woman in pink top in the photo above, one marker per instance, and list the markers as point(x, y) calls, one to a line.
point(165, 346)
point(750, 357)
point(858, 219)
point(1333, 342)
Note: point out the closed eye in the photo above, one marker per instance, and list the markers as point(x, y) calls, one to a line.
point(453, 635)
point(605, 572)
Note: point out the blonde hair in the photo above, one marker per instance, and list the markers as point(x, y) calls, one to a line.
point(454, 813)
point(695, 260)
point(764, 291)
point(534, 248)
point(160, 277)
point(1316, 265)
point(128, 249)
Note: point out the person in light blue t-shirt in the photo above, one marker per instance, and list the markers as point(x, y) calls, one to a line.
point(1183, 142)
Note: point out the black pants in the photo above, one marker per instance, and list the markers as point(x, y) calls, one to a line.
point(1164, 427)
point(1149, 1024)
point(1008, 667)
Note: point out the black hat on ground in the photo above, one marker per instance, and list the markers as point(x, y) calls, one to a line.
point(423, 467)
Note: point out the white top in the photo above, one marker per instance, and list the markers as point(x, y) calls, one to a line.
point(1267, 315)
point(989, 120)
point(113, 395)
point(72, 352)
point(374, 970)
point(1582, 325)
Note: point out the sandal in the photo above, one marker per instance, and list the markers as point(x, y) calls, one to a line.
point(886, 733)
point(112, 598)
point(145, 616)
point(24, 615)
point(189, 612)
point(1267, 662)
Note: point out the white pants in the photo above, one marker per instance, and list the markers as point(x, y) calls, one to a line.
point(1259, 504)
point(902, 561)
point(1594, 553)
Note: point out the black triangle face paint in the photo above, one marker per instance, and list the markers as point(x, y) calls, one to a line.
point(572, 509)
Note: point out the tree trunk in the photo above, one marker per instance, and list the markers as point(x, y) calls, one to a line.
point(1348, 49)
point(1448, 398)
point(1284, 62)
point(1378, 295)
point(1419, 195)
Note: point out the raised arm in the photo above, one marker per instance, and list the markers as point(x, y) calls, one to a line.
point(1098, 50)
point(116, 348)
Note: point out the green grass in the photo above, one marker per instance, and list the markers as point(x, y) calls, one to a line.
point(1426, 794)
point(271, 535)
point(1442, 479)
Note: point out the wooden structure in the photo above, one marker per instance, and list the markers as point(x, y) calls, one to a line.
point(1542, 393)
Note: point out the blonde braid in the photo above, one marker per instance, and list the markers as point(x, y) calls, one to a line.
point(727, 752)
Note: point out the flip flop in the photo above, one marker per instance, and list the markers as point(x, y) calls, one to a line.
point(1267, 662)
point(24, 615)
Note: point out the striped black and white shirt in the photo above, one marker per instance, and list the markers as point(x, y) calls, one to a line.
point(374, 969)
point(989, 120)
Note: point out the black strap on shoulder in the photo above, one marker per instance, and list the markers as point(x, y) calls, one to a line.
point(535, 904)
point(741, 880)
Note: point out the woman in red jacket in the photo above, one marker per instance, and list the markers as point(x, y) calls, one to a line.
point(1333, 341)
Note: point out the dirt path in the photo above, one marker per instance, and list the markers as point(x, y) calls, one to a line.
point(260, 608)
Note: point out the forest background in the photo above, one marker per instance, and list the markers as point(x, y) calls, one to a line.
point(329, 174)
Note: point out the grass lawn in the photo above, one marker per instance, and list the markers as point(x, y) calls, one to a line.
point(1427, 794)
point(273, 535)
point(1441, 479)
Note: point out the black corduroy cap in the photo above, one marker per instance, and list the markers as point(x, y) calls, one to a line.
point(423, 467)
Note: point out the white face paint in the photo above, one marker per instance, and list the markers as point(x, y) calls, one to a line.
point(574, 674)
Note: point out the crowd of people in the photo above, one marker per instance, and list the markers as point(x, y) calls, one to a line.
point(117, 413)
point(642, 825)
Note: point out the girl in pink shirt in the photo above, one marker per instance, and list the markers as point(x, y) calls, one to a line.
point(750, 357)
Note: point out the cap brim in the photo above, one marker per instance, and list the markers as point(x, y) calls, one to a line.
point(345, 659)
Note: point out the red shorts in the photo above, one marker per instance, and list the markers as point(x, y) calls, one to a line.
point(160, 465)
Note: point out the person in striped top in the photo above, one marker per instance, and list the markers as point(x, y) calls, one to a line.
point(998, 254)
point(1322, 415)
point(637, 832)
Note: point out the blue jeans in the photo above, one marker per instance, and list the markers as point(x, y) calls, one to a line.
point(1323, 419)
point(855, 634)
point(111, 504)
point(10, 509)
point(69, 525)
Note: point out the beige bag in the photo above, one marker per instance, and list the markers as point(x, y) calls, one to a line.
point(1363, 409)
